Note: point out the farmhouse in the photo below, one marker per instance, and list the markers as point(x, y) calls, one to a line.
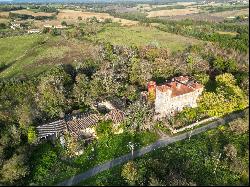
point(174, 95)
point(60, 27)
point(15, 26)
point(81, 125)
point(33, 31)
point(47, 26)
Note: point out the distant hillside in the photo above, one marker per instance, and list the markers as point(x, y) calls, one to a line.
point(91, 1)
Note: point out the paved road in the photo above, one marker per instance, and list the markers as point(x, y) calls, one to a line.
point(158, 144)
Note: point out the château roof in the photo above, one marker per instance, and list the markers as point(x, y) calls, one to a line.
point(179, 86)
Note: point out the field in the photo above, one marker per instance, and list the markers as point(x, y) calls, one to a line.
point(139, 36)
point(196, 17)
point(72, 15)
point(29, 12)
point(2, 20)
point(173, 12)
point(231, 13)
point(38, 52)
point(213, 17)
point(4, 14)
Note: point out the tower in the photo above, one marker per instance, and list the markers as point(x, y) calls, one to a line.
point(151, 90)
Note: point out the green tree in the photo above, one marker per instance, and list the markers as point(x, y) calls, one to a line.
point(52, 91)
point(130, 173)
point(227, 98)
point(139, 117)
point(80, 89)
point(55, 32)
point(202, 78)
point(64, 23)
point(32, 135)
point(14, 169)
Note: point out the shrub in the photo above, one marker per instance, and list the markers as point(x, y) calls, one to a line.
point(32, 135)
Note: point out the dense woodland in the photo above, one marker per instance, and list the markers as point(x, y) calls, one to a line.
point(122, 72)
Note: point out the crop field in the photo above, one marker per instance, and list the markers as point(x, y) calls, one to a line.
point(72, 15)
point(141, 36)
point(196, 17)
point(2, 20)
point(20, 54)
point(231, 13)
point(148, 7)
point(4, 14)
point(213, 17)
point(173, 12)
point(29, 12)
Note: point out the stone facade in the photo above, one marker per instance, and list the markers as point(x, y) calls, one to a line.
point(173, 96)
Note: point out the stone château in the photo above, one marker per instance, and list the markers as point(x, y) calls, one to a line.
point(174, 95)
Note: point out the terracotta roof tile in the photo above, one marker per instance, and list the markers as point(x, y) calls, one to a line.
point(178, 88)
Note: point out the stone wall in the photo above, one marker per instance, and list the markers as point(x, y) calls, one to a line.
point(166, 105)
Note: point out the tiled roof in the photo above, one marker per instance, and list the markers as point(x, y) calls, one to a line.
point(76, 125)
point(115, 115)
point(179, 86)
point(51, 128)
point(179, 89)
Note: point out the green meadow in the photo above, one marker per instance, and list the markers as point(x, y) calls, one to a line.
point(18, 53)
point(30, 55)
point(141, 36)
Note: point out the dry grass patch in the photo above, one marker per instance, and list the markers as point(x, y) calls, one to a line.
point(173, 12)
point(29, 12)
point(2, 20)
point(231, 13)
point(72, 16)
point(41, 23)
point(229, 33)
point(4, 14)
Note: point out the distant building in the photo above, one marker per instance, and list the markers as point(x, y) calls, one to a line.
point(60, 27)
point(57, 26)
point(173, 96)
point(34, 31)
point(15, 26)
point(230, 17)
point(47, 26)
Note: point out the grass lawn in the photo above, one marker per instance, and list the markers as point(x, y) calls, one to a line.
point(141, 36)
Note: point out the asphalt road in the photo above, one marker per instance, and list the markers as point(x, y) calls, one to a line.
point(158, 144)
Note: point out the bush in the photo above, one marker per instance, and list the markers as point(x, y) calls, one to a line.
point(104, 128)
point(130, 173)
point(32, 135)
point(14, 169)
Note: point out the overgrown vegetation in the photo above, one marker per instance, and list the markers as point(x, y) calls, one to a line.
point(216, 157)
point(46, 76)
